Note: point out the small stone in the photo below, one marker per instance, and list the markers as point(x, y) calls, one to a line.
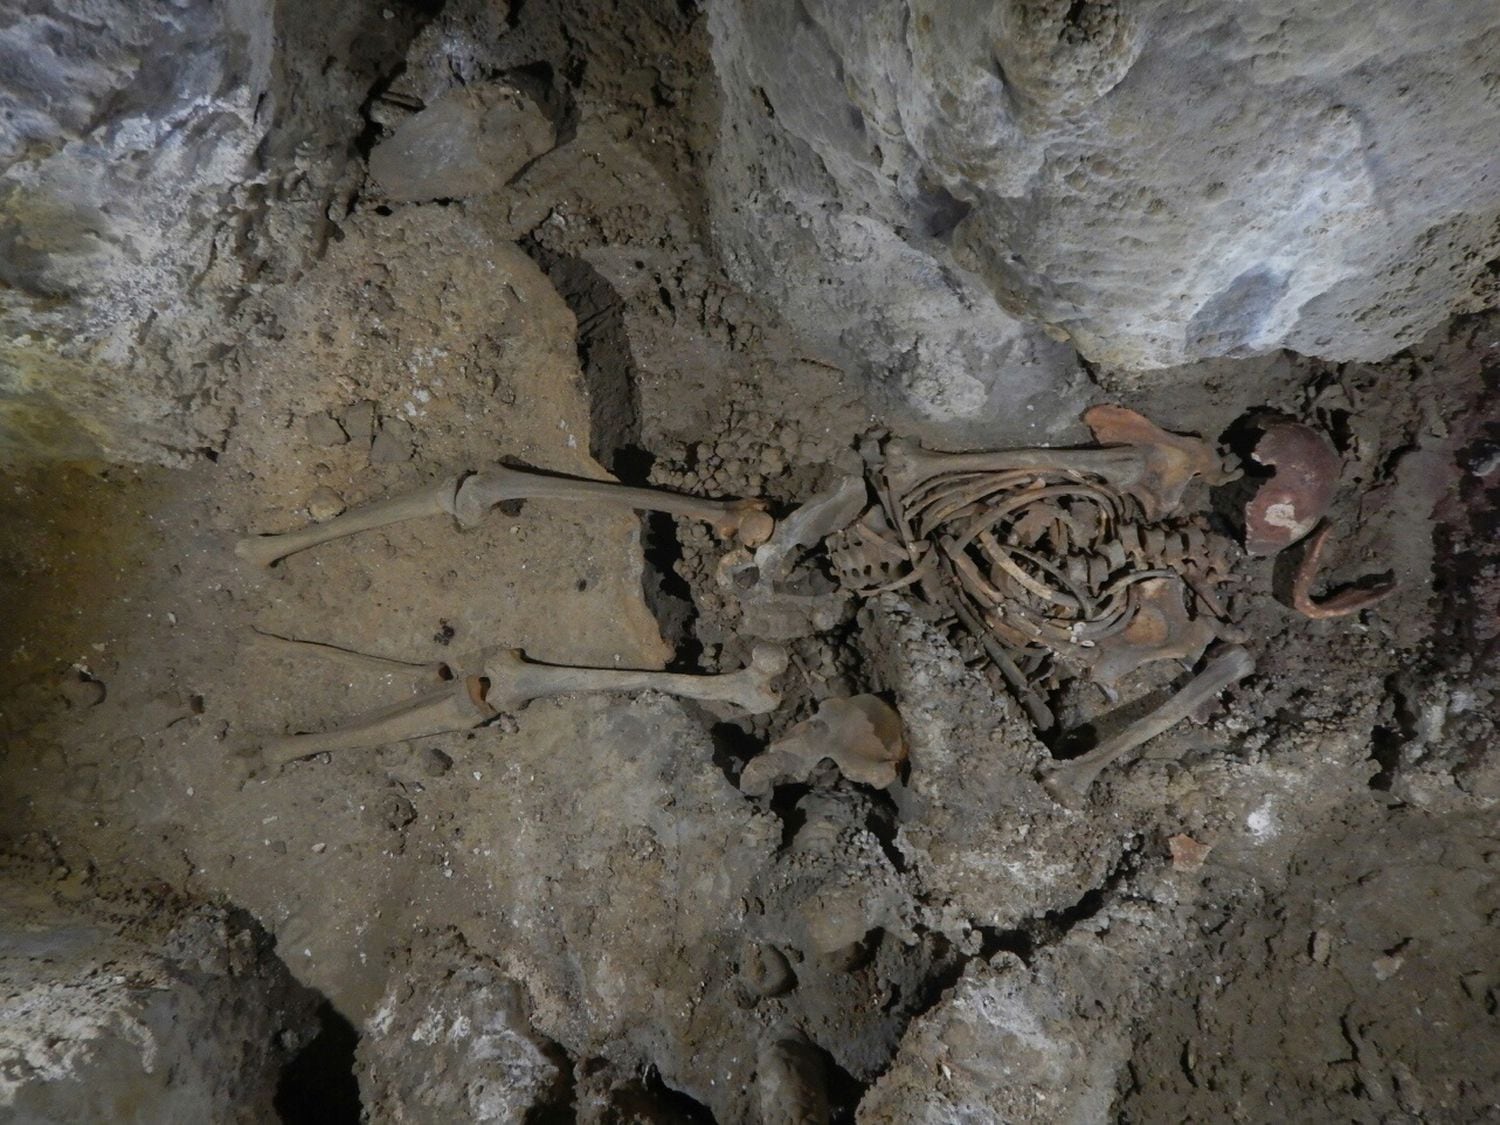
point(1187, 853)
point(324, 430)
point(435, 763)
point(1486, 462)
point(393, 443)
point(1387, 966)
point(358, 421)
point(82, 691)
point(323, 504)
point(388, 450)
point(1320, 946)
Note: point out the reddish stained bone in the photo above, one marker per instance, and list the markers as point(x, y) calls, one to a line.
point(1172, 460)
point(1291, 503)
point(1339, 604)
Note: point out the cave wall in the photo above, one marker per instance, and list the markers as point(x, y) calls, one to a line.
point(160, 166)
point(935, 191)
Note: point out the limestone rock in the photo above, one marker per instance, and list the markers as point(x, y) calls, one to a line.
point(467, 142)
point(1159, 186)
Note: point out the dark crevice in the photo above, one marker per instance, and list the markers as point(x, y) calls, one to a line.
point(680, 1106)
point(882, 823)
point(784, 802)
point(318, 1086)
point(1026, 940)
point(611, 383)
point(733, 746)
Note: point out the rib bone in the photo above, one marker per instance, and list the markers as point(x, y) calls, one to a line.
point(508, 681)
point(1069, 781)
point(469, 498)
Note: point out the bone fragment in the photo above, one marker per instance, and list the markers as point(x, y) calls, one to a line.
point(862, 735)
point(1069, 781)
point(1138, 457)
point(1172, 460)
point(469, 498)
point(508, 682)
point(1341, 603)
point(434, 500)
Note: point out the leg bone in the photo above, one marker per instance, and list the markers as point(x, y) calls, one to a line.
point(469, 498)
point(448, 708)
point(1069, 781)
point(434, 500)
point(515, 681)
point(509, 682)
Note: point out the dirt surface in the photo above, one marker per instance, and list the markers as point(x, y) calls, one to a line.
point(1287, 910)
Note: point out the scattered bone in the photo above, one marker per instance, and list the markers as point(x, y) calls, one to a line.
point(469, 498)
point(449, 708)
point(791, 1083)
point(358, 421)
point(1074, 556)
point(862, 735)
point(514, 681)
point(1069, 781)
point(1338, 604)
point(506, 681)
point(1290, 504)
point(389, 447)
point(744, 521)
point(1172, 460)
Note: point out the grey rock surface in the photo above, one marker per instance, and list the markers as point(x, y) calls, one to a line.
point(160, 165)
point(467, 142)
point(138, 1012)
point(1159, 185)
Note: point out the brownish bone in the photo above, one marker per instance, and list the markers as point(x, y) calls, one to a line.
point(434, 500)
point(358, 661)
point(509, 681)
point(743, 520)
point(514, 681)
point(444, 709)
point(1069, 781)
point(1341, 603)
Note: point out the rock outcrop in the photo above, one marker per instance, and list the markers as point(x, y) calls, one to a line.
point(927, 190)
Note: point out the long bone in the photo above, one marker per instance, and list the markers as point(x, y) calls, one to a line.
point(468, 498)
point(1069, 781)
point(507, 681)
